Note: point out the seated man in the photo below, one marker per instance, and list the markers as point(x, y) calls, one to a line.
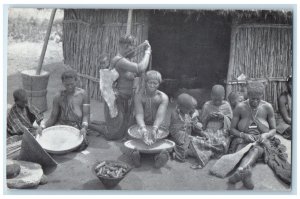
point(253, 121)
point(285, 108)
point(151, 106)
point(22, 116)
point(70, 106)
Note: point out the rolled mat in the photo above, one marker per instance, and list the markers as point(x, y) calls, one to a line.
point(32, 151)
point(227, 163)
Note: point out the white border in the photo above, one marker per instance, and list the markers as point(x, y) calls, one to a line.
point(79, 3)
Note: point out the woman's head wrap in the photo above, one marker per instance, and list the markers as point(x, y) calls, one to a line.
point(255, 88)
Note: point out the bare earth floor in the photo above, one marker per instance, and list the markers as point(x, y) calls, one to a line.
point(75, 170)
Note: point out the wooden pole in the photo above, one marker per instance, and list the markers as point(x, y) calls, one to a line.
point(129, 22)
point(38, 71)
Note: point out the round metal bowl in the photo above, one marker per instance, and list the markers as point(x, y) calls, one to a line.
point(60, 139)
point(110, 182)
point(157, 147)
point(134, 132)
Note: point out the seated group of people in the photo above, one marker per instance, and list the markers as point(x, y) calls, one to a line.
point(220, 127)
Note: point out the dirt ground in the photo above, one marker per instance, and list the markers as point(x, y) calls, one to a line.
point(74, 171)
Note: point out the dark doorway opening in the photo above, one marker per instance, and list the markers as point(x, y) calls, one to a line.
point(190, 50)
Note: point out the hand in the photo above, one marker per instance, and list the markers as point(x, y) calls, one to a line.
point(198, 125)
point(147, 136)
point(83, 132)
point(262, 138)
point(249, 138)
point(218, 115)
point(39, 131)
point(154, 133)
point(148, 46)
point(214, 115)
point(143, 131)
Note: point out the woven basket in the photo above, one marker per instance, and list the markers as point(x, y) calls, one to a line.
point(110, 182)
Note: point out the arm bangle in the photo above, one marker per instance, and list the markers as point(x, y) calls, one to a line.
point(85, 124)
point(241, 134)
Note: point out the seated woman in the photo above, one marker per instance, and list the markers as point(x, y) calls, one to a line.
point(216, 119)
point(70, 107)
point(151, 106)
point(253, 122)
point(285, 109)
point(214, 139)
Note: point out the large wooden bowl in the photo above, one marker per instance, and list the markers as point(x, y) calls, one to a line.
point(157, 147)
point(60, 139)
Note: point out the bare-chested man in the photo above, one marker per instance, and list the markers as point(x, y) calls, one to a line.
point(70, 106)
point(253, 121)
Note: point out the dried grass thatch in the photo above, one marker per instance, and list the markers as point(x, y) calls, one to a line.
point(262, 52)
point(262, 49)
point(90, 33)
point(254, 15)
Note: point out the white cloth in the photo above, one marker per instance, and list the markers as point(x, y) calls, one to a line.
point(107, 79)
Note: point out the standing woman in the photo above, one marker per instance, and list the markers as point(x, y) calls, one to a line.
point(284, 126)
point(116, 127)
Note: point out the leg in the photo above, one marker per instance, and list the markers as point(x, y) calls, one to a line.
point(135, 158)
point(244, 171)
point(161, 159)
point(99, 127)
point(287, 134)
point(202, 156)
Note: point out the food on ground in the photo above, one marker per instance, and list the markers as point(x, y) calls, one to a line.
point(111, 170)
point(135, 132)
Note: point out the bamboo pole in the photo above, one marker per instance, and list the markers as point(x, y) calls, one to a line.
point(129, 22)
point(38, 71)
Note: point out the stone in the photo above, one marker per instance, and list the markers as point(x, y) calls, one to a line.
point(30, 176)
point(12, 169)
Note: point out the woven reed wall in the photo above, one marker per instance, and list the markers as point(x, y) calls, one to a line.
point(262, 52)
point(90, 33)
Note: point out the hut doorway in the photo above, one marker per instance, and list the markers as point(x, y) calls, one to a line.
point(191, 50)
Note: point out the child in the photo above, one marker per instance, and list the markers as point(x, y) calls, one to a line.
point(185, 120)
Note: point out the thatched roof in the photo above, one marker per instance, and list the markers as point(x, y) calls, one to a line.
point(257, 16)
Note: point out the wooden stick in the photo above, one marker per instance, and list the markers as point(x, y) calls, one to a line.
point(38, 71)
point(129, 22)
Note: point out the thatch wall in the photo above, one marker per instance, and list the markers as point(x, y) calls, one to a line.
point(261, 45)
point(261, 52)
point(90, 33)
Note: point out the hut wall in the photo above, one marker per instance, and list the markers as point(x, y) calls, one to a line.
point(90, 33)
point(261, 52)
